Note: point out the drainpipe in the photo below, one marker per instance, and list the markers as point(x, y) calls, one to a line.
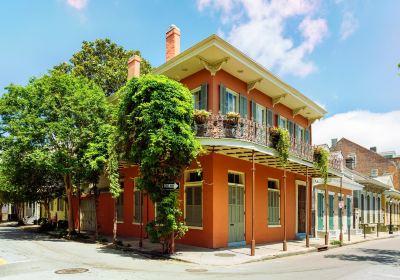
point(307, 211)
point(253, 242)
point(284, 210)
point(326, 216)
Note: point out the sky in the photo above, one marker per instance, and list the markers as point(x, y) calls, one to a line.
point(341, 53)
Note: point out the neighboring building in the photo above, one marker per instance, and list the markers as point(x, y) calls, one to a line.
point(367, 161)
point(57, 208)
point(338, 209)
point(217, 201)
point(30, 212)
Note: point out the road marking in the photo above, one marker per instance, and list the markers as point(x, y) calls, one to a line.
point(2, 261)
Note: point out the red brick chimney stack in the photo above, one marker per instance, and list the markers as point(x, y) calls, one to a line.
point(173, 42)
point(134, 66)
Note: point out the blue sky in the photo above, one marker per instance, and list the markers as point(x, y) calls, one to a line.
point(343, 54)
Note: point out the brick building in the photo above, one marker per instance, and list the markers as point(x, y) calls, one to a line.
point(367, 161)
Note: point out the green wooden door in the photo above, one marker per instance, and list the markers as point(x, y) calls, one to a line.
point(235, 213)
point(320, 211)
point(331, 211)
point(348, 212)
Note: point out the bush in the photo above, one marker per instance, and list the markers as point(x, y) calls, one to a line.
point(336, 242)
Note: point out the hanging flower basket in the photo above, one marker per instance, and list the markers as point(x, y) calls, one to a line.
point(281, 143)
point(321, 161)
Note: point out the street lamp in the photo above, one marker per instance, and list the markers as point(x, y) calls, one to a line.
point(390, 210)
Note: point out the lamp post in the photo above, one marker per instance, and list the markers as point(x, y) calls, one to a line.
point(390, 217)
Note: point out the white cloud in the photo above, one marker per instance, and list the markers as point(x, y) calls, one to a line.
point(77, 4)
point(348, 26)
point(362, 127)
point(258, 27)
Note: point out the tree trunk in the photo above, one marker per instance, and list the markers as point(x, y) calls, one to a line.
point(96, 204)
point(115, 221)
point(68, 191)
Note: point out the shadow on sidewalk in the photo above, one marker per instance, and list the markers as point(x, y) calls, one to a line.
point(378, 256)
point(14, 233)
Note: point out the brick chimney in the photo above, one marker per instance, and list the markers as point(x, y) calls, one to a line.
point(173, 42)
point(134, 66)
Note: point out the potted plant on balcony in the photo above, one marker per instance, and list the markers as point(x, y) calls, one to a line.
point(280, 142)
point(230, 124)
point(200, 118)
point(321, 161)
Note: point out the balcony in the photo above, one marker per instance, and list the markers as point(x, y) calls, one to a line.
point(218, 126)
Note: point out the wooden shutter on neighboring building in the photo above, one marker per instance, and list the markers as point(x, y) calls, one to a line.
point(204, 97)
point(222, 99)
point(243, 106)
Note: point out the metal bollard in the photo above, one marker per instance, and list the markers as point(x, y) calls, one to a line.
point(348, 233)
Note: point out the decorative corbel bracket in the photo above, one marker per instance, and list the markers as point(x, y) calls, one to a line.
point(278, 99)
point(215, 66)
point(312, 120)
point(252, 84)
point(298, 110)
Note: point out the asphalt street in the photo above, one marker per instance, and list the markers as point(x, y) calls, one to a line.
point(25, 255)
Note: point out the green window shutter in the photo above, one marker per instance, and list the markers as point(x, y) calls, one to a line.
point(270, 120)
point(253, 110)
point(307, 136)
point(291, 128)
point(222, 99)
point(243, 106)
point(204, 97)
point(278, 120)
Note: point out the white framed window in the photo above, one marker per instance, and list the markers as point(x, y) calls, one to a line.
point(196, 93)
point(138, 203)
point(274, 205)
point(260, 114)
point(231, 101)
point(194, 198)
point(282, 122)
point(300, 133)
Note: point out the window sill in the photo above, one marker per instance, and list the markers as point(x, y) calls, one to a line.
point(120, 222)
point(274, 226)
point(193, 227)
point(137, 224)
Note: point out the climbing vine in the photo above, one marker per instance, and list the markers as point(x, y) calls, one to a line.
point(154, 131)
point(281, 142)
point(321, 161)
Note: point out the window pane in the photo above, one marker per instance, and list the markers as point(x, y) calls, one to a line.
point(193, 206)
point(273, 205)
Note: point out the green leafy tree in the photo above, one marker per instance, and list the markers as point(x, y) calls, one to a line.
point(103, 62)
point(154, 130)
point(60, 120)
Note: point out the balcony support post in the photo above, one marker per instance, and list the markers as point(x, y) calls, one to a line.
point(284, 210)
point(326, 216)
point(307, 210)
point(253, 242)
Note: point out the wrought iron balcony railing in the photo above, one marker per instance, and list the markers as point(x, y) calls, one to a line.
point(218, 126)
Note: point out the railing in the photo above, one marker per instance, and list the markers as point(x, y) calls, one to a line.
point(219, 126)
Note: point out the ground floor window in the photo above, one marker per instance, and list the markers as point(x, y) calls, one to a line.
point(274, 196)
point(120, 207)
point(60, 204)
point(194, 198)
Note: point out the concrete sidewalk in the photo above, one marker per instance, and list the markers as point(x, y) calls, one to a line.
point(240, 255)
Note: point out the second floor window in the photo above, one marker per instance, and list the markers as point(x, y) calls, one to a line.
point(232, 101)
point(282, 122)
point(200, 97)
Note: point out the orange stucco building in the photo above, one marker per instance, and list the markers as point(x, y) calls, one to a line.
point(240, 192)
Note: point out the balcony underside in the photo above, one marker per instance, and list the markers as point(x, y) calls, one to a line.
point(262, 155)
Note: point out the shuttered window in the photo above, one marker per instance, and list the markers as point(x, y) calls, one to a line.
point(258, 113)
point(274, 197)
point(193, 199)
point(228, 100)
point(291, 128)
point(243, 106)
point(299, 133)
point(308, 136)
point(200, 97)
point(282, 122)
